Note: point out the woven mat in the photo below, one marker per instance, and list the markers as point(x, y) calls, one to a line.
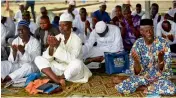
point(102, 85)
point(20, 92)
point(98, 85)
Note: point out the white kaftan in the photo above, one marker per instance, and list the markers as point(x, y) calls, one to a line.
point(80, 25)
point(66, 60)
point(23, 65)
point(160, 31)
point(111, 42)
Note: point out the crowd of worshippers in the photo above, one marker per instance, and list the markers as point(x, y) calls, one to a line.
point(62, 47)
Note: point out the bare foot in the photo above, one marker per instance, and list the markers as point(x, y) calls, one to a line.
point(116, 80)
point(62, 82)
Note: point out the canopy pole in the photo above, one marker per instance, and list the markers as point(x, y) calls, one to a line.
point(147, 8)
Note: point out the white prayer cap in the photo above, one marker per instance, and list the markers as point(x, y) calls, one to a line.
point(21, 4)
point(72, 2)
point(100, 27)
point(103, 3)
point(66, 17)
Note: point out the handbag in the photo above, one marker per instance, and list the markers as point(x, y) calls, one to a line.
point(116, 62)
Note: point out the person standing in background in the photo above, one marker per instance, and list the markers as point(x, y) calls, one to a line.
point(31, 3)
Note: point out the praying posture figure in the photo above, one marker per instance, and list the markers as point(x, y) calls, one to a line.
point(149, 64)
point(62, 59)
point(108, 38)
point(22, 54)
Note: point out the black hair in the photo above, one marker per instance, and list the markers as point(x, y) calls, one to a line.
point(83, 9)
point(44, 17)
point(156, 5)
point(138, 5)
point(118, 6)
point(3, 20)
point(167, 22)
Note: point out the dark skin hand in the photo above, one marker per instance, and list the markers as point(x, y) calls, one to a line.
point(14, 49)
point(161, 59)
point(53, 42)
point(137, 67)
point(87, 26)
point(95, 59)
point(170, 37)
point(21, 48)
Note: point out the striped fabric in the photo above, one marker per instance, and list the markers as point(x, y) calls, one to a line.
point(23, 23)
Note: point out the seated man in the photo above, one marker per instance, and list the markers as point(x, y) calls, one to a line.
point(167, 29)
point(149, 64)
point(4, 35)
point(23, 52)
point(108, 38)
point(118, 18)
point(82, 23)
point(138, 10)
point(44, 30)
point(62, 59)
point(45, 12)
point(101, 15)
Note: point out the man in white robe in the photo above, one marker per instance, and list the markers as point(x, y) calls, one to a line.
point(154, 15)
point(18, 15)
point(32, 26)
point(83, 23)
point(23, 52)
point(4, 35)
point(138, 10)
point(62, 59)
point(71, 9)
point(108, 38)
point(167, 29)
point(172, 11)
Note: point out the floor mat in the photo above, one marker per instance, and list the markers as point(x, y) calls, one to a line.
point(100, 85)
point(20, 92)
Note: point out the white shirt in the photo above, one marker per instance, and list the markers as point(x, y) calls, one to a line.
point(80, 25)
point(160, 30)
point(140, 14)
point(172, 12)
point(75, 12)
point(111, 42)
point(113, 13)
point(4, 34)
point(32, 49)
point(32, 26)
point(10, 25)
point(65, 53)
point(18, 16)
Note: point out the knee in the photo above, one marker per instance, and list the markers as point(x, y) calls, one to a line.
point(27, 67)
point(76, 63)
point(38, 59)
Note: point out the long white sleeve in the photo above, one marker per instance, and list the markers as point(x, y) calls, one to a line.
point(158, 30)
point(33, 52)
point(47, 56)
point(117, 45)
point(69, 53)
point(89, 43)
